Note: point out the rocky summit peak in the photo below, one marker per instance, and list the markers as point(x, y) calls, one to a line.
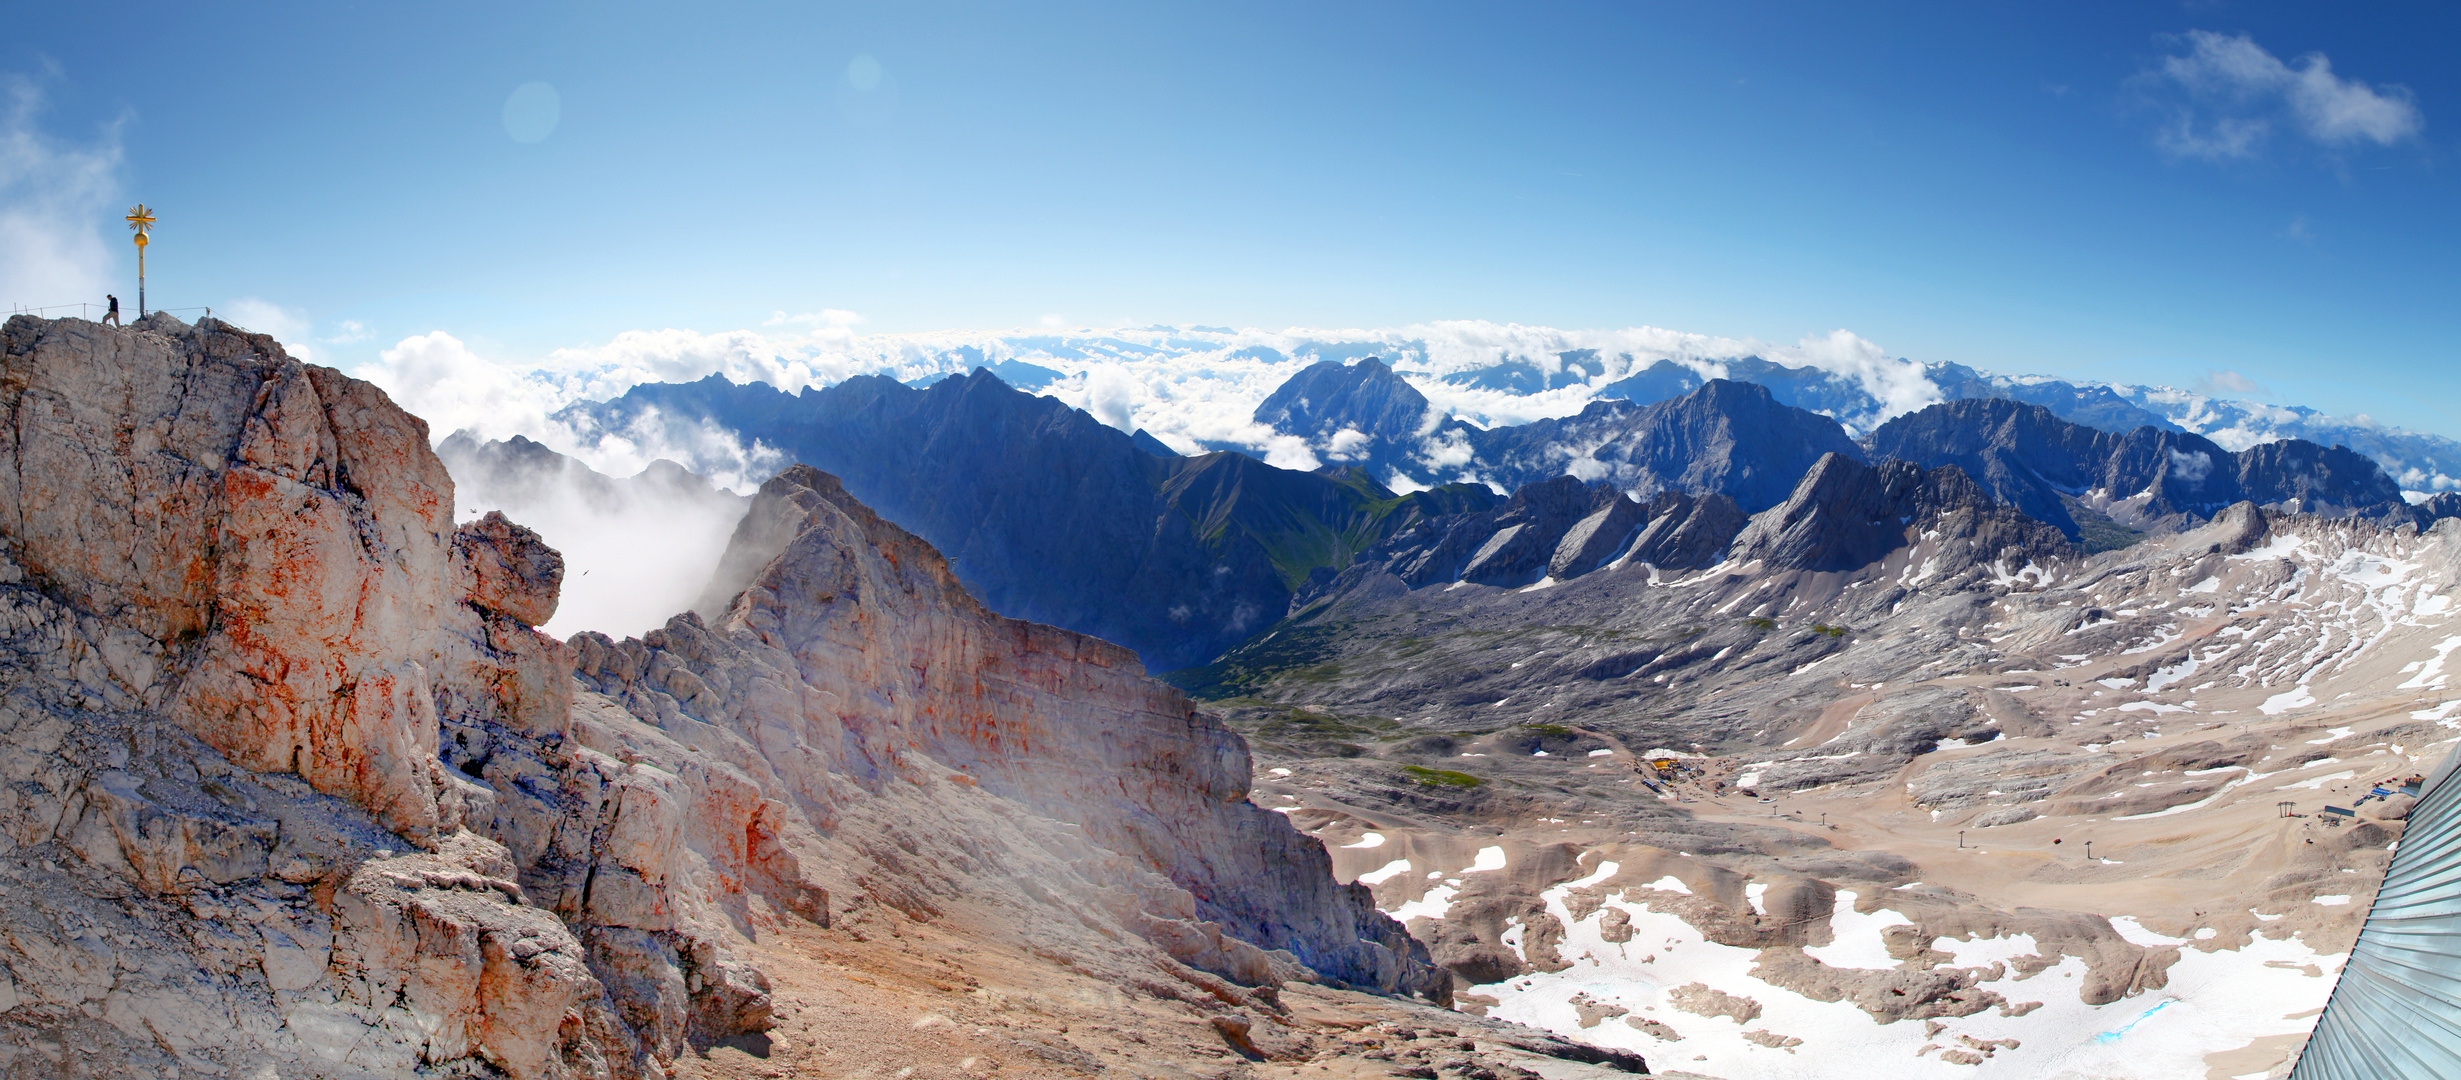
point(1362, 412)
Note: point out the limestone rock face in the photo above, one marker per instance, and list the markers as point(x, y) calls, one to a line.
point(852, 681)
point(511, 571)
point(238, 615)
point(222, 500)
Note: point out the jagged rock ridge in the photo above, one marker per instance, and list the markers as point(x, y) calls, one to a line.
point(1553, 530)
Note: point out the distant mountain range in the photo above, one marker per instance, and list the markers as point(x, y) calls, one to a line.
point(1051, 515)
point(1369, 413)
point(1493, 375)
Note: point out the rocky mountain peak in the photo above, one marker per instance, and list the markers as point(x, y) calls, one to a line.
point(1845, 515)
point(1360, 412)
point(1731, 438)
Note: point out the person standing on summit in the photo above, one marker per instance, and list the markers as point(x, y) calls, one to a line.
point(112, 316)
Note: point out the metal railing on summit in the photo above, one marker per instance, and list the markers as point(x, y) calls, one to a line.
point(85, 310)
point(45, 311)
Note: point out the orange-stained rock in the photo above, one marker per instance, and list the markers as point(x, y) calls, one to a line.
point(235, 617)
point(279, 529)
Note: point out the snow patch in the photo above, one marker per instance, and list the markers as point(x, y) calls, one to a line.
point(1385, 873)
point(2278, 704)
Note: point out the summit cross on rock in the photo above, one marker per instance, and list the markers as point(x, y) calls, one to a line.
point(141, 222)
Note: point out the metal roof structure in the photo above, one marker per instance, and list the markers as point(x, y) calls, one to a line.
point(2397, 1009)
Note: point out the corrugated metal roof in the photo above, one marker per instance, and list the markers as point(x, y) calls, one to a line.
point(2396, 1014)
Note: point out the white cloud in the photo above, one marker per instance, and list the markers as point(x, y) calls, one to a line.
point(1290, 452)
point(1900, 386)
point(2226, 95)
point(1111, 395)
point(55, 197)
point(443, 381)
point(2192, 468)
point(349, 331)
point(286, 325)
point(714, 452)
point(829, 317)
point(439, 379)
point(1348, 444)
point(2228, 382)
point(633, 556)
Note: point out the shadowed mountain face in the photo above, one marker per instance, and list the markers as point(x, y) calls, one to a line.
point(1362, 413)
point(1053, 517)
point(1845, 515)
point(2068, 474)
point(1730, 438)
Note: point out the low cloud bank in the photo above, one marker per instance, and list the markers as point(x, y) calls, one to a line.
point(637, 550)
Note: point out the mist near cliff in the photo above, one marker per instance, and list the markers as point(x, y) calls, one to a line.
point(640, 513)
point(637, 549)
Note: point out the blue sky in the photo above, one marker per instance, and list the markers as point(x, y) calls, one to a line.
point(2130, 192)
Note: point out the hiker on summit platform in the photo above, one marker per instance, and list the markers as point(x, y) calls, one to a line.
point(112, 317)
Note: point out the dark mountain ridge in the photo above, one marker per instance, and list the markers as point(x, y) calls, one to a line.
point(1826, 392)
point(2149, 478)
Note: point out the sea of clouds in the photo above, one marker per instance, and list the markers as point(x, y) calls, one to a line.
point(1197, 388)
point(1193, 388)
